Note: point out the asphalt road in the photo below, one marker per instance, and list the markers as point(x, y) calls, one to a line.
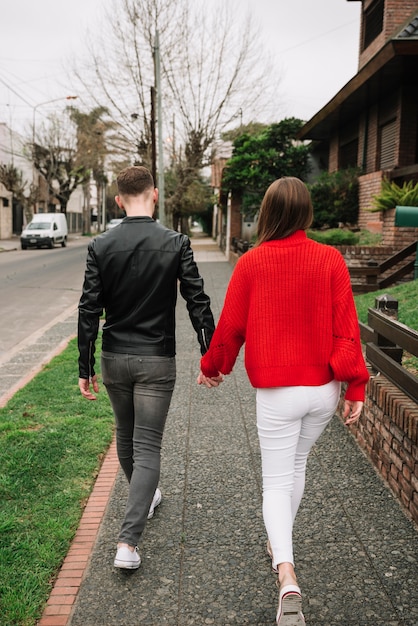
point(36, 286)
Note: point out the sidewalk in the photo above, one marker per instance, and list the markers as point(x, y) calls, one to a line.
point(203, 553)
point(10, 244)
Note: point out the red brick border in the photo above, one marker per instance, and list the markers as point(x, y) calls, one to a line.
point(63, 595)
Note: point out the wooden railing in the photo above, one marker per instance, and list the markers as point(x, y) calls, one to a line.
point(386, 339)
point(373, 270)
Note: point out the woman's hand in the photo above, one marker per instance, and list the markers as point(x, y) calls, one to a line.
point(352, 411)
point(215, 381)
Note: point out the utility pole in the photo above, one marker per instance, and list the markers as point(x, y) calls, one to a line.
point(161, 199)
point(153, 139)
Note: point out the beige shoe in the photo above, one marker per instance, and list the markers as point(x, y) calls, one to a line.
point(290, 607)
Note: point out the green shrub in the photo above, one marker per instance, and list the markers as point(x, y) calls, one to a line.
point(335, 198)
point(334, 237)
point(367, 238)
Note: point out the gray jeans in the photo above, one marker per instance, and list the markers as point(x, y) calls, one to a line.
point(140, 390)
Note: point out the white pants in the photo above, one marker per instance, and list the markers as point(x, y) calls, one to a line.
point(289, 421)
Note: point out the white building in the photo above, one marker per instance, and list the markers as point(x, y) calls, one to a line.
point(12, 152)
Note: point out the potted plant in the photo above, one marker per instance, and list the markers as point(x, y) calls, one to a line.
point(392, 195)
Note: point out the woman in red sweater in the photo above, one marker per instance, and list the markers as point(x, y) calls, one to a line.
point(290, 301)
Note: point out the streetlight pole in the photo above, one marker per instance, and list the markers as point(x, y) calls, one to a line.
point(161, 191)
point(41, 104)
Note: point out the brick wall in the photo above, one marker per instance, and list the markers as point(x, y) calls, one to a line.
point(397, 12)
point(369, 186)
point(398, 236)
point(333, 153)
point(388, 433)
point(217, 167)
point(362, 254)
point(236, 217)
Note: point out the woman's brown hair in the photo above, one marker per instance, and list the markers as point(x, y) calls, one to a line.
point(286, 208)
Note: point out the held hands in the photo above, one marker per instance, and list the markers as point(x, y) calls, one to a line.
point(352, 411)
point(84, 386)
point(210, 382)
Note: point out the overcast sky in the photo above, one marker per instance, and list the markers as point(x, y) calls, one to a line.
point(313, 43)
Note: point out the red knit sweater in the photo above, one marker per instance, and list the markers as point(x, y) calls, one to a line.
point(290, 301)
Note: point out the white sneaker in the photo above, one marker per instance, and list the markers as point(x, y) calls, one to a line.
point(155, 502)
point(125, 559)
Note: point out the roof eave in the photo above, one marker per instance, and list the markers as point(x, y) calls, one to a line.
point(318, 127)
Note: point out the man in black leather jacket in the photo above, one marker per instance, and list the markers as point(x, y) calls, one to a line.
point(132, 274)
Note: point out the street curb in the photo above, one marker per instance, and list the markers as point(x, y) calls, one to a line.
point(62, 598)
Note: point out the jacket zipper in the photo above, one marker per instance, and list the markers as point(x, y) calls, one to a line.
point(205, 343)
point(90, 348)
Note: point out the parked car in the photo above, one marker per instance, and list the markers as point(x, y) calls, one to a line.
point(45, 229)
point(115, 222)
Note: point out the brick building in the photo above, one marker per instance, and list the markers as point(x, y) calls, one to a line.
point(372, 122)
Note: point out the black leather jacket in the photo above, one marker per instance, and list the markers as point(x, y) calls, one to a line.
point(131, 274)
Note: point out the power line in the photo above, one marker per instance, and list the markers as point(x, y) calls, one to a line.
point(15, 92)
point(303, 43)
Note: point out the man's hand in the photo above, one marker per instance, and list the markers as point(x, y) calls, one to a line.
point(352, 411)
point(84, 386)
point(210, 382)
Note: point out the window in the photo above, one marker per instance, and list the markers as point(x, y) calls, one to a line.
point(348, 154)
point(373, 22)
point(388, 145)
point(348, 149)
point(416, 143)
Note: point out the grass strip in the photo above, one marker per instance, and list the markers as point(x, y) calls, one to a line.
point(407, 296)
point(52, 442)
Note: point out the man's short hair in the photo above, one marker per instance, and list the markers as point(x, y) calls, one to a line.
point(134, 180)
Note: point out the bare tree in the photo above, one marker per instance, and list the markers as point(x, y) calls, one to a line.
point(54, 155)
point(119, 70)
point(212, 71)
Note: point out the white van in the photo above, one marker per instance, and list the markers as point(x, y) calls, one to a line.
point(45, 229)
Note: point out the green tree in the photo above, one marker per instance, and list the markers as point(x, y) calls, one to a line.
point(252, 129)
point(92, 150)
point(187, 196)
point(259, 159)
point(24, 193)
